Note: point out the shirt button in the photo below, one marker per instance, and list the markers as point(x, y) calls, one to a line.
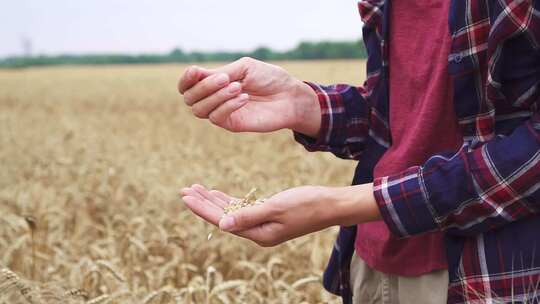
point(457, 58)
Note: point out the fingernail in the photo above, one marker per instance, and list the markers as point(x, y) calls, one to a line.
point(226, 223)
point(221, 79)
point(234, 87)
point(192, 72)
point(242, 98)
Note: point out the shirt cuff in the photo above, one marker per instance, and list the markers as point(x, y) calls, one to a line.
point(322, 141)
point(404, 204)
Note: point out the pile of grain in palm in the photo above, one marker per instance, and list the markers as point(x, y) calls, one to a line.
point(248, 200)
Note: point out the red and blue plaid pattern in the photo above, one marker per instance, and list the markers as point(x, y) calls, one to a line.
point(486, 196)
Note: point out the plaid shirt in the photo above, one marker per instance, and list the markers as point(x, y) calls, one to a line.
point(486, 196)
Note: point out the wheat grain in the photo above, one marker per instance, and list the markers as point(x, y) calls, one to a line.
point(14, 280)
point(248, 200)
point(8, 275)
point(9, 280)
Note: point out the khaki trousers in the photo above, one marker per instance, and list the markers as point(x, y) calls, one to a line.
point(370, 286)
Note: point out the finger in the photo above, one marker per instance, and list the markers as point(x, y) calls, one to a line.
point(195, 76)
point(191, 76)
point(247, 218)
point(206, 105)
point(221, 115)
point(224, 197)
point(205, 88)
point(208, 196)
point(236, 71)
point(203, 208)
point(193, 192)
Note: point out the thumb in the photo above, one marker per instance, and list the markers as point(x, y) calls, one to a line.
point(247, 218)
point(236, 70)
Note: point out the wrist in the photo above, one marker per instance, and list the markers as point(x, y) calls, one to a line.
point(347, 206)
point(307, 110)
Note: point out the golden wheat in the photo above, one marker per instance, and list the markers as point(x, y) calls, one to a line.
point(92, 161)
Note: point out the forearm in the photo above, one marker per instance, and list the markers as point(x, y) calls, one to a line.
point(347, 206)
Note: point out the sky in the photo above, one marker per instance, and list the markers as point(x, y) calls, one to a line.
point(157, 26)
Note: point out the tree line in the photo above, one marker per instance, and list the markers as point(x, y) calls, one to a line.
point(303, 51)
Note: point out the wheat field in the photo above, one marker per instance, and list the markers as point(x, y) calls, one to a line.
point(92, 161)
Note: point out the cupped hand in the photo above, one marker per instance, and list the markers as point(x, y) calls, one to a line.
point(284, 216)
point(251, 96)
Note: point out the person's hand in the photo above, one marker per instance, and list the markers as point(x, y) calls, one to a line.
point(288, 214)
point(251, 96)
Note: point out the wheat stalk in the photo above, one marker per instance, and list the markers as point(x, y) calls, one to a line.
point(99, 300)
point(31, 221)
point(115, 273)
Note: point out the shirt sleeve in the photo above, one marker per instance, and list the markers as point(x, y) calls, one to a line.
point(344, 121)
point(476, 190)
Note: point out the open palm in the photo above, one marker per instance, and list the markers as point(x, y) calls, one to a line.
point(210, 204)
point(284, 216)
